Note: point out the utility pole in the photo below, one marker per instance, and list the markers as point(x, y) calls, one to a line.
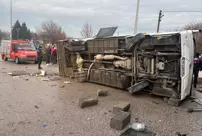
point(11, 17)
point(159, 20)
point(137, 14)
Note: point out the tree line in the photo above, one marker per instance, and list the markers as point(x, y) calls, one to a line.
point(48, 32)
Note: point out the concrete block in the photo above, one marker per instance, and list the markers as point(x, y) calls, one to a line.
point(102, 93)
point(87, 102)
point(120, 120)
point(122, 106)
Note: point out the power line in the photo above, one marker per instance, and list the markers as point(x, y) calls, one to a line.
point(183, 11)
point(174, 11)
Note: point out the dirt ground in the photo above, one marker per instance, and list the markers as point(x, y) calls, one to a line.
point(32, 107)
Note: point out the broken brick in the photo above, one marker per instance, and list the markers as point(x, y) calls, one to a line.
point(102, 93)
point(120, 120)
point(87, 102)
point(122, 106)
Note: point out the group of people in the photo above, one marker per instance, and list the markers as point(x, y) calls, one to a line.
point(51, 55)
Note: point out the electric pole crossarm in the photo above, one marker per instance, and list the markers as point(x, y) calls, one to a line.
point(159, 20)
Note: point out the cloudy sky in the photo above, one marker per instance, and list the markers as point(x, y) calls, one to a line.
point(72, 14)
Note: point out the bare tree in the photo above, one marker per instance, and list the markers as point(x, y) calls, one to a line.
point(51, 32)
point(87, 31)
point(4, 35)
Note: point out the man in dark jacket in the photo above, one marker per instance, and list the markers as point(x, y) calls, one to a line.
point(48, 54)
point(39, 57)
point(197, 68)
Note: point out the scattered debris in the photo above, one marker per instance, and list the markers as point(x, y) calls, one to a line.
point(26, 79)
point(44, 125)
point(179, 134)
point(120, 120)
point(55, 78)
point(87, 102)
point(35, 73)
point(122, 106)
point(21, 123)
point(155, 102)
point(131, 132)
point(62, 86)
point(138, 126)
point(43, 73)
point(190, 110)
point(67, 82)
point(18, 73)
point(10, 124)
point(136, 119)
point(45, 79)
point(36, 107)
point(16, 77)
point(53, 85)
point(102, 93)
point(14, 130)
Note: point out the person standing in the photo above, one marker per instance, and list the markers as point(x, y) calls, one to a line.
point(48, 54)
point(39, 57)
point(52, 56)
point(197, 68)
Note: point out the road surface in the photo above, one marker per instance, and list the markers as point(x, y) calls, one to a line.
point(32, 107)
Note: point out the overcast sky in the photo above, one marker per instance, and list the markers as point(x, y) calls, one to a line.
point(72, 14)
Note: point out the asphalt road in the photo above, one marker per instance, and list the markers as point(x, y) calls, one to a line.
point(32, 107)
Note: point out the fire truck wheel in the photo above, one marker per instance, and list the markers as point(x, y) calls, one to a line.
point(17, 61)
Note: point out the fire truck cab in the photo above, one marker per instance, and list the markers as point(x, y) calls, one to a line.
point(18, 51)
